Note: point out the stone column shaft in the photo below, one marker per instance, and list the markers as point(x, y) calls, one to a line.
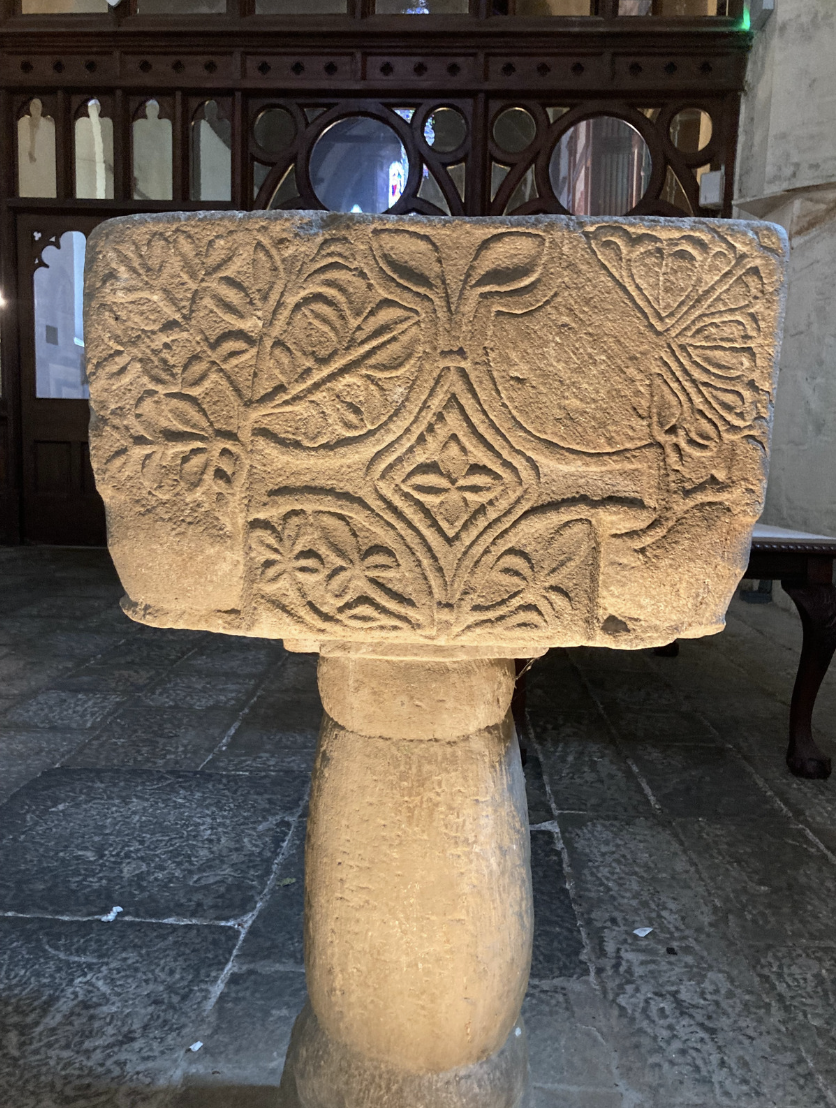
point(418, 922)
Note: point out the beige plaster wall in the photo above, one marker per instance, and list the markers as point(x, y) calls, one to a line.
point(787, 174)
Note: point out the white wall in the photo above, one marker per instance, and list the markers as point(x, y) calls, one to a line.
point(787, 174)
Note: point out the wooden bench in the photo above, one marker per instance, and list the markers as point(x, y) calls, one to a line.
point(803, 563)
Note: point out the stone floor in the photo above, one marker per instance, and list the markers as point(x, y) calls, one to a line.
point(151, 848)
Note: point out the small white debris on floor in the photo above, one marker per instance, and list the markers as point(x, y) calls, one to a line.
point(112, 914)
point(642, 932)
point(195, 1047)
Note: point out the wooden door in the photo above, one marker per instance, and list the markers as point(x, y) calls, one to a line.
point(60, 502)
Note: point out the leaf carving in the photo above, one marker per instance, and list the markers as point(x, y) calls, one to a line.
point(219, 253)
point(115, 364)
point(388, 334)
point(507, 261)
point(666, 405)
point(346, 285)
point(413, 260)
point(193, 467)
point(724, 361)
point(187, 259)
point(702, 432)
point(540, 585)
point(339, 537)
point(172, 415)
point(195, 371)
point(230, 300)
point(157, 252)
point(665, 276)
point(316, 328)
point(267, 270)
point(228, 467)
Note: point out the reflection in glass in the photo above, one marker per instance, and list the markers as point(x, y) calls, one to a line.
point(600, 166)
point(62, 7)
point(498, 174)
point(554, 7)
point(526, 190)
point(300, 7)
point(445, 130)
point(152, 155)
point(431, 191)
point(59, 331)
point(457, 174)
point(181, 7)
point(260, 173)
point(687, 7)
point(422, 7)
point(211, 155)
point(287, 190)
point(360, 165)
point(674, 193)
point(274, 130)
point(671, 7)
point(36, 153)
point(691, 130)
point(94, 154)
point(514, 130)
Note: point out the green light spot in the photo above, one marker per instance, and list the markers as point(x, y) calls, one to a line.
point(747, 19)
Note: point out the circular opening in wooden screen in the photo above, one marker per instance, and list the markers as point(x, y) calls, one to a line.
point(358, 165)
point(691, 130)
point(274, 130)
point(445, 130)
point(514, 129)
point(600, 166)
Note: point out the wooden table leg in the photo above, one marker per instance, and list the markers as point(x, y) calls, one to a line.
point(816, 605)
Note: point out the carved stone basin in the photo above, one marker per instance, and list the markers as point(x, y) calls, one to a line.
point(424, 447)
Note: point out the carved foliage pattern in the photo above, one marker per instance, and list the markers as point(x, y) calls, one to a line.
point(224, 355)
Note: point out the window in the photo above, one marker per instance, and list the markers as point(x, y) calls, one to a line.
point(59, 328)
point(358, 165)
point(672, 7)
point(600, 166)
point(93, 154)
point(211, 154)
point(422, 7)
point(180, 7)
point(63, 7)
point(152, 154)
point(554, 7)
point(36, 152)
point(300, 7)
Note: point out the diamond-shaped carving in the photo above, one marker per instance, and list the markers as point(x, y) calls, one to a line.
point(454, 486)
point(453, 474)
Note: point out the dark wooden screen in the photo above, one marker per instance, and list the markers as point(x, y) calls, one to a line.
point(398, 70)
